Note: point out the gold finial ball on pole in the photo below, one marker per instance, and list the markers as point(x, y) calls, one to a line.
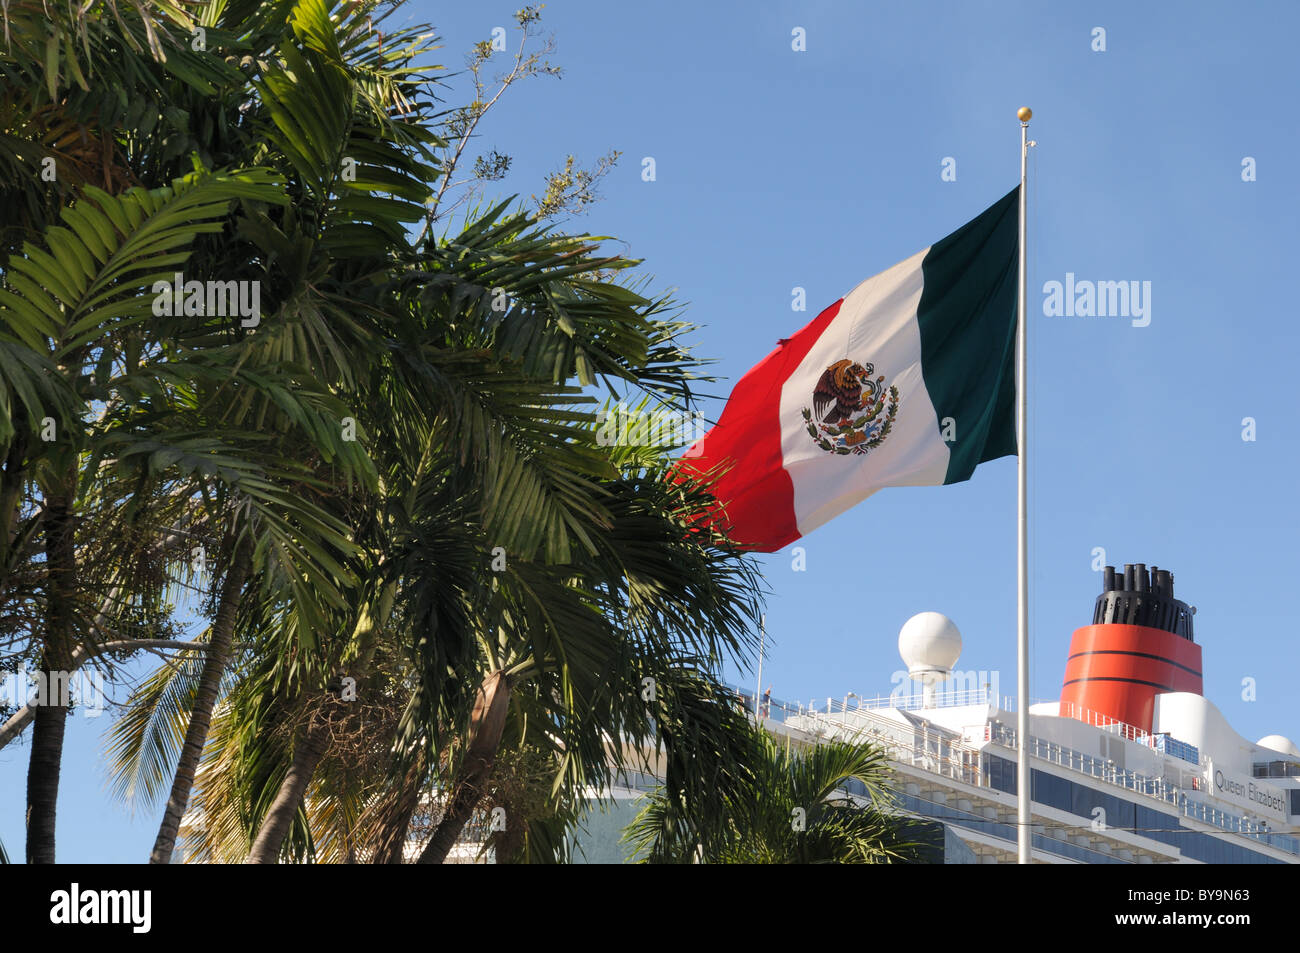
point(1025, 113)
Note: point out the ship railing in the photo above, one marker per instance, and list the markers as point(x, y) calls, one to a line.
point(1106, 723)
point(1108, 771)
point(767, 707)
point(1207, 814)
point(938, 699)
point(1122, 729)
point(1103, 769)
point(778, 710)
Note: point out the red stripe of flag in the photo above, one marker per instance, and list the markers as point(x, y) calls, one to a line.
point(756, 493)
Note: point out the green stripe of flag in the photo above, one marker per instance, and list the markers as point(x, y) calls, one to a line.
point(967, 319)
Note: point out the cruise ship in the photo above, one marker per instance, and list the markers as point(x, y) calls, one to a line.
point(1132, 765)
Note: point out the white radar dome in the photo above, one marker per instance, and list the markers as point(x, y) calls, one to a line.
point(929, 644)
point(1279, 743)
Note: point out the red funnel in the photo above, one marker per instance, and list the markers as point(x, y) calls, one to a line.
point(1117, 671)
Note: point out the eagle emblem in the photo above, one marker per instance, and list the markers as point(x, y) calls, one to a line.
point(851, 412)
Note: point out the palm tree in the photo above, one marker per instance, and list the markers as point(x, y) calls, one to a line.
point(793, 809)
point(396, 473)
point(74, 310)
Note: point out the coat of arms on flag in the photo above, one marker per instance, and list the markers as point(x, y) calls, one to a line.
point(843, 392)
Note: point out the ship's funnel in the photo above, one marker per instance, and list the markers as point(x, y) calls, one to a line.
point(1139, 645)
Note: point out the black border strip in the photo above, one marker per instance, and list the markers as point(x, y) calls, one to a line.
point(1107, 678)
point(1159, 658)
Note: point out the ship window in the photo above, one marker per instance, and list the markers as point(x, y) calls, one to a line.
point(1295, 801)
point(999, 773)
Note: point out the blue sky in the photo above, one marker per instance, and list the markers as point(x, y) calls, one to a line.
point(778, 169)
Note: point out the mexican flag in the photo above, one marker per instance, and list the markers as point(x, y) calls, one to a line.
point(908, 380)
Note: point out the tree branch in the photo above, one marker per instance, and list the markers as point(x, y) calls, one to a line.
point(80, 656)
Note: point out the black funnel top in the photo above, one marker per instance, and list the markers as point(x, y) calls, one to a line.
point(1139, 597)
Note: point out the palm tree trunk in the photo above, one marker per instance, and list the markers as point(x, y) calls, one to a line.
point(51, 714)
point(12, 477)
point(314, 742)
point(196, 734)
point(508, 845)
point(390, 840)
point(43, 780)
point(487, 723)
point(307, 754)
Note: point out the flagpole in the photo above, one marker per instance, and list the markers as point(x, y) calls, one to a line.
point(1024, 839)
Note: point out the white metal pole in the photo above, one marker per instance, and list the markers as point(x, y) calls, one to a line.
point(758, 687)
point(1024, 839)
